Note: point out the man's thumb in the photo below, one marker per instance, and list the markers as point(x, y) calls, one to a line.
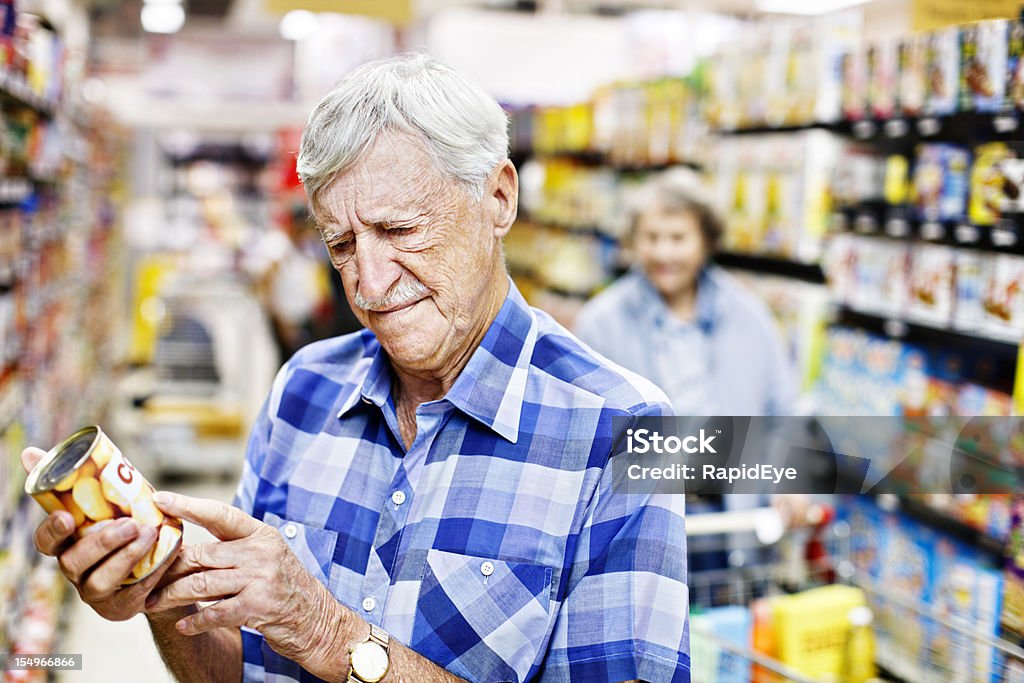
point(30, 457)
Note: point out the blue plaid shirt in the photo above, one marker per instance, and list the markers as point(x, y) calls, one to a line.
point(493, 545)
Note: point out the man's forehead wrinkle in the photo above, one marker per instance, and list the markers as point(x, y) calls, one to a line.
point(396, 199)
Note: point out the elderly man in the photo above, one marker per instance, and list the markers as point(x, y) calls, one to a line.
point(429, 499)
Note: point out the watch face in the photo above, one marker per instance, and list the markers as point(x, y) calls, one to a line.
point(369, 661)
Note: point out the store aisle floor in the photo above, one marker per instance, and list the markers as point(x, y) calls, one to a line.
point(123, 652)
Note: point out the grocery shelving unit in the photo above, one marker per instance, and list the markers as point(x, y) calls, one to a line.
point(60, 291)
point(795, 110)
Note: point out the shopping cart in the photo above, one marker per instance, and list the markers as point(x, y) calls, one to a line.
point(213, 364)
point(941, 647)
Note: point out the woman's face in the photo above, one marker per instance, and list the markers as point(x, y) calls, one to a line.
point(670, 249)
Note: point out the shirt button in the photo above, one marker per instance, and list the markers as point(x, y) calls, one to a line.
point(398, 497)
point(290, 531)
point(369, 604)
point(487, 569)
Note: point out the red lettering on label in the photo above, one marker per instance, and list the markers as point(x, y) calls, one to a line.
point(125, 471)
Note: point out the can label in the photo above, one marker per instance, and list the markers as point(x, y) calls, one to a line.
point(88, 476)
point(121, 478)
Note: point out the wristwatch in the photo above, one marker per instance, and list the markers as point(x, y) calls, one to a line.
point(368, 660)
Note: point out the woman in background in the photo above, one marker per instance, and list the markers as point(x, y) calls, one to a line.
point(681, 321)
point(691, 328)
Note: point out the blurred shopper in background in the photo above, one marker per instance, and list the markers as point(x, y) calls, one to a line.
point(303, 294)
point(687, 325)
point(681, 321)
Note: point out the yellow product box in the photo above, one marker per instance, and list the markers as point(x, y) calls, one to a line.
point(815, 635)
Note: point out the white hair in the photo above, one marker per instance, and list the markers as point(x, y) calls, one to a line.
point(464, 129)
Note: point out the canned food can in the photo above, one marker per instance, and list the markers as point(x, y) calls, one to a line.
point(88, 476)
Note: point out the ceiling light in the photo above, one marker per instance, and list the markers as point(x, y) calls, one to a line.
point(804, 7)
point(163, 17)
point(298, 24)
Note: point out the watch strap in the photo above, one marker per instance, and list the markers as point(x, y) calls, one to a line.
point(379, 636)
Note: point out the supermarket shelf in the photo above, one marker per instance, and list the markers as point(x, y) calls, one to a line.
point(581, 230)
point(761, 130)
point(916, 330)
point(891, 221)
point(770, 265)
point(905, 129)
point(592, 158)
point(937, 519)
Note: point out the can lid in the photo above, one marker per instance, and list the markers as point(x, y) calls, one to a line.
point(62, 460)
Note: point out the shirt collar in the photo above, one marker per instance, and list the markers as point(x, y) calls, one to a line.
point(492, 386)
point(707, 299)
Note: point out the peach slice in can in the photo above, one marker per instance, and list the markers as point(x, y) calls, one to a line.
point(89, 477)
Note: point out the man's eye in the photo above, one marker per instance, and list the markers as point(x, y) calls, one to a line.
point(342, 247)
point(400, 230)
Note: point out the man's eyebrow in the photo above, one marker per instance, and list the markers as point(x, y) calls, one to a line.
point(401, 219)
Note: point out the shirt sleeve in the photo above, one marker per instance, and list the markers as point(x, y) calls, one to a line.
point(625, 614)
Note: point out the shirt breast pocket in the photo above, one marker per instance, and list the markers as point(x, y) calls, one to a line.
point(313, 545)
point(485, 620)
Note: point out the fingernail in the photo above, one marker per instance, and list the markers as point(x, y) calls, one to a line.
point(162, 498)
point(127, 531)
point(65, 525)
point(182, 625)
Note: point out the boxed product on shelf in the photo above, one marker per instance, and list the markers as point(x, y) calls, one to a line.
point(907, 574)
point(967, 598)
point(1015, 66)
point(941, 181)
point(782, 73)
point(913, 75)
point(997, 182)
point(867, 534)
point(1003, 300)
point(773, 191)
point(882, 64)
point(711, 663)
point(799, 310)
point(863, 374)
point(839, 264)
point(944, 377)
point(971, 276)
point(854, 97)
point(1012, 618)
point(883, 276)
point(721, 107)
point(859, 176)
point(753, 77)
point(897, 179)
point(813, 631)
point(983, 67)
point(943, 71)
point(931, 284)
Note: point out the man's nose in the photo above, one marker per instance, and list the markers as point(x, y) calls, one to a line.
point(375, 266)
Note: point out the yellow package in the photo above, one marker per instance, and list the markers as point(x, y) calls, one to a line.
point(817, 633)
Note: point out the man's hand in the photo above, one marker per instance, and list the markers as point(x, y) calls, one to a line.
point(97, 564)
point(258, 583)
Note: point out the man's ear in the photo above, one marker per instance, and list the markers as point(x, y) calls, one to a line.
point(503, 196)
